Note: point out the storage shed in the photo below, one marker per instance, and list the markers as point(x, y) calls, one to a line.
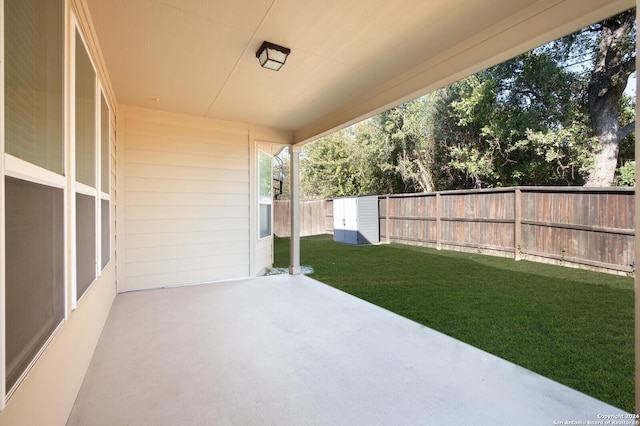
point(355, 220)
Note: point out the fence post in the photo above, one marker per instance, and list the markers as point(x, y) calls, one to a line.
point(517, 223)
point(387, 222)
point(438, 221)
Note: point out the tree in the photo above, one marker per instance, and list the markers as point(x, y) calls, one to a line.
point(518, 123)
point(404, 152)
point(614, 63)
point(556, 115)
point(335, 166)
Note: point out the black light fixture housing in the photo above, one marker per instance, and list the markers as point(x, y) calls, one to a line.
point(272, 56)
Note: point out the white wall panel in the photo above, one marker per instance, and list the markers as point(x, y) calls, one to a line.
point(185, 201)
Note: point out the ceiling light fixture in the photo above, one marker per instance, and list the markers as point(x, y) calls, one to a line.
point(272, 56)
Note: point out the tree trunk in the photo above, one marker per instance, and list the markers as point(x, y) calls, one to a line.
point(605, 128)
point(606, 86)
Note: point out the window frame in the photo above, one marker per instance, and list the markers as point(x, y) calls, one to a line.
point(264, 200)
point(17, 168)
point(104, 193)
point(76, 186)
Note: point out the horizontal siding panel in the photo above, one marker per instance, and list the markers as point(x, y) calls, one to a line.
point(154, 119)
point(138, 184)
point(191, 251)
point(180, 239)
point(186, 196)
point(186, 212)
point(232, 147)
point(173, 278)
point(193, 263)
point(219, 174)
point(201, 160)
point(184, 199)
point(170, 226)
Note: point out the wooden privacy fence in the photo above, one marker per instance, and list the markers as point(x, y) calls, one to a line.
point(316, 218)
point(576, 226)
point(565, 225)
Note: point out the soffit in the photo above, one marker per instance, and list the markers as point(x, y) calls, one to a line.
point(197, 57)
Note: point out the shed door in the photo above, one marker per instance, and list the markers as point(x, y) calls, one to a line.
point(345, 220)
point(338, 220)
point(351, 220)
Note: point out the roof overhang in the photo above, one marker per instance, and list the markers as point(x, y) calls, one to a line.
point(349, 59)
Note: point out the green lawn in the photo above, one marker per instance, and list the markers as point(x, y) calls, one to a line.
point(573, 326)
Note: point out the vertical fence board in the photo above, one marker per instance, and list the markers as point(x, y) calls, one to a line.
point(575, 226)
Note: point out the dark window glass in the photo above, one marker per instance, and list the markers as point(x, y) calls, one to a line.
point(106, 235)
point(34, 270)
point(104, 145)
point(85, 116)
point(85, 242)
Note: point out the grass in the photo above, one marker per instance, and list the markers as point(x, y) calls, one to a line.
point(573, 326)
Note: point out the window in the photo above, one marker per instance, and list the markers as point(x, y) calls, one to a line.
point(104, 145)
point(34, 270)
point(105, 236)
point(85, 103)
point(34, 182)
point(33, 82)
point(105, 204)
point(85, 149)
point(264, 195)
point(41, 180)
point(85, 242)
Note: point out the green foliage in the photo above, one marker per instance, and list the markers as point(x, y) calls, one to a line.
point(554, 320)
point(407, 150)
point(626, 175)
point(519, 123)
point(523, 122)
point(337, 165)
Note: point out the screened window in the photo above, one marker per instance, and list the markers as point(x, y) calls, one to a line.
point(104, 145)
point(265, 200)
point(105, 204)
point(85, 149)
point(34, 270)
point(85, 242)
point(105, 225)
point(85, 102)
point(34, 52)
point(34, 212)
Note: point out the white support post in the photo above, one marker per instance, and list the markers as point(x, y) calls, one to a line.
point(517, 224)
point(294, 265)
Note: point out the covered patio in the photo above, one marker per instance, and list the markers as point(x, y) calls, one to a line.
point(288, 349)
point(135, 222)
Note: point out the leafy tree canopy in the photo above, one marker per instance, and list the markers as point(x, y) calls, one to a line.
point(532, 120)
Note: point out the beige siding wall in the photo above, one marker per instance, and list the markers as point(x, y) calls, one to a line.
point(184, 200)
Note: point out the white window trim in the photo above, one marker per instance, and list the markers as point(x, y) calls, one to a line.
point(78, 187)
point(264, 200)
point(102, 194)
point(3, 332)
point(20, 169)
point(17, 168)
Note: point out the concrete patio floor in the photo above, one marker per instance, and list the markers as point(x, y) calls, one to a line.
point(289, 350)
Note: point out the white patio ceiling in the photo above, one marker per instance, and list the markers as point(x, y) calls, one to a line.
point(349, 60)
